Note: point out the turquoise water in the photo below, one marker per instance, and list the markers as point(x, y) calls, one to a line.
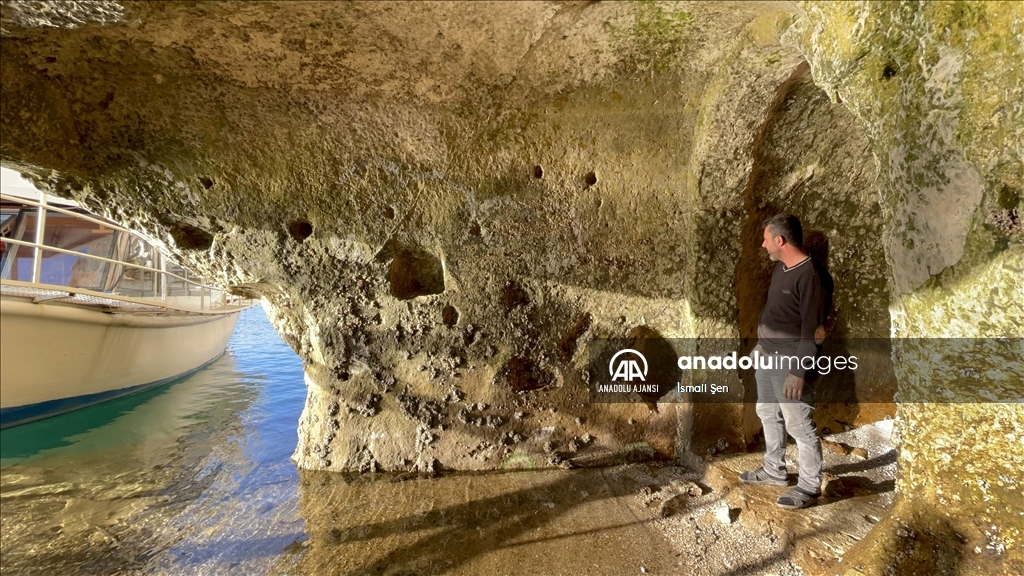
point(191, 477)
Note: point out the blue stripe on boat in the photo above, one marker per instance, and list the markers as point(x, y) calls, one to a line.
point(16, 415)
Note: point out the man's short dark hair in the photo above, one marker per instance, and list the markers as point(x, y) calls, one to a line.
point(787, 226)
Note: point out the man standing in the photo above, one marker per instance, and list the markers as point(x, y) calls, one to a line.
point(786, 333)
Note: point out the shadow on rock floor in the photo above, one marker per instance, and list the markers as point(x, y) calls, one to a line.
point(858, 490)
point(654, 518)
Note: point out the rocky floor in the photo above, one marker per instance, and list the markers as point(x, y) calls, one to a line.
point(737, 529)
point(632, 518)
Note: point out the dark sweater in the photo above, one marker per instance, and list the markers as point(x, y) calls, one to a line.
point(796, 307)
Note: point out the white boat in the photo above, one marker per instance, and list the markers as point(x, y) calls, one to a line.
point(92, 311)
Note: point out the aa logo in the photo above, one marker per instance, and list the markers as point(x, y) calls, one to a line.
point(627, 368)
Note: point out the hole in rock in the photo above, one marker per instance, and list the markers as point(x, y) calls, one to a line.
point(514, 296)
point(389, 212)
point(415, 272)
point(889, 71)
point(590, 179)
point(244, 291)
point(206, 182)
point(538, 172)
point(522, 375)
point(449, 316)
point(300, 230)
point(51, 59)
point(474, 229)
point(1008, 197)
point(188, 237)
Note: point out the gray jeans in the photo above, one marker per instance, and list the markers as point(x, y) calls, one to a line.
point(779, 416)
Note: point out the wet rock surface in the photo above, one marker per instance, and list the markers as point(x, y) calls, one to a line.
point(654, 517)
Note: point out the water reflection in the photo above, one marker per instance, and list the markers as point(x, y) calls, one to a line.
point(21, 442)
point(152, 419)
point(149, 483)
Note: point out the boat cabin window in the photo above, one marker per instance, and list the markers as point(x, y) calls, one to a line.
point(81, 250)
point(58, 268)
point(16, 258)
point(70, 233)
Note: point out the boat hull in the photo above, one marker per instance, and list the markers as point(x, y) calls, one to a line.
point(59, 357)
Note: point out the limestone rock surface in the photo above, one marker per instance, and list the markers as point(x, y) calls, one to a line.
point(940, 90)
point(442, 204)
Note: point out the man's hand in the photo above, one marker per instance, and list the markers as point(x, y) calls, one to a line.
point(819, 335)
point(792, 387)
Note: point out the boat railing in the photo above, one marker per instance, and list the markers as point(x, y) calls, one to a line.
point(52, 251)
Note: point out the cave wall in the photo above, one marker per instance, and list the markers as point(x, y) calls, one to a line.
point(440, 205)
point(940, 90)
point(813, 159)
point(439, 234)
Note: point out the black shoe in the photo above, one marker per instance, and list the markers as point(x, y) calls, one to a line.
point(761, 476)
point(796, 498)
